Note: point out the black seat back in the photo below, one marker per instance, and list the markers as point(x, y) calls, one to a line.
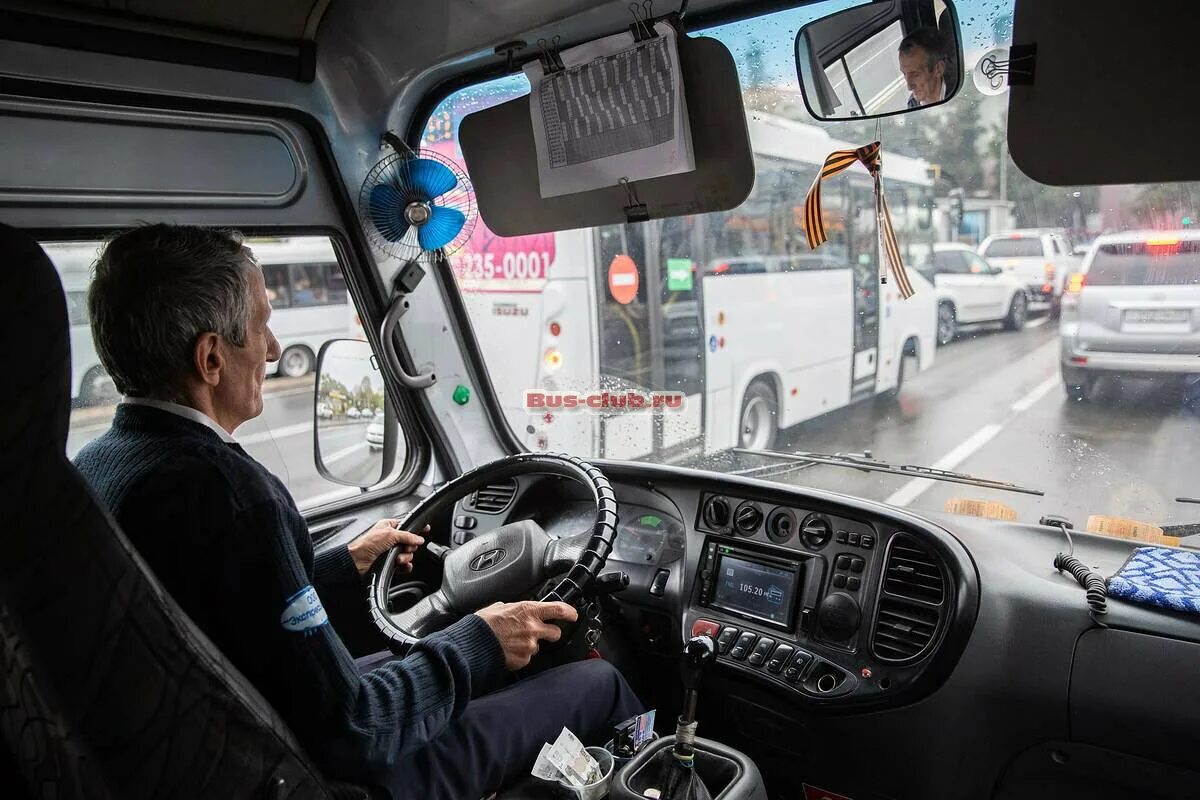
point(106, 688)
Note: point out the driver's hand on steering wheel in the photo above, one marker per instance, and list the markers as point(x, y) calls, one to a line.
point(520, 626)
point(382, 537)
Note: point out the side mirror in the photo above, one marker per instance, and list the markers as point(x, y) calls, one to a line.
point(353, 431)
point(879, 59)
point(995, 271)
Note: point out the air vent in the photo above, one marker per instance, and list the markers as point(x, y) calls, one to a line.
point(912, 572)
point(903, 631)
point(493, 498)
point(717, 513)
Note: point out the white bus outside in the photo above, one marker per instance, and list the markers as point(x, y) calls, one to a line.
point(680, 305)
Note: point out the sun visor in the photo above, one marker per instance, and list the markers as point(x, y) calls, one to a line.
point(1099, 91)
point(499, 150)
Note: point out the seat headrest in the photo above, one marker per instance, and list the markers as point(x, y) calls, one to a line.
point(37, 345)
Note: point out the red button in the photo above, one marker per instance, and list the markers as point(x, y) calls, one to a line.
point(704, 627)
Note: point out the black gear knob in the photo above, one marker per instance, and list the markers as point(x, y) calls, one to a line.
point(698, 653)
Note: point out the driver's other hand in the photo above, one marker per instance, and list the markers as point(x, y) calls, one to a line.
point(382, 537)
point(520, 626)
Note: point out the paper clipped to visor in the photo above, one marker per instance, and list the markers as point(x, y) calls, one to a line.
point(615, 110)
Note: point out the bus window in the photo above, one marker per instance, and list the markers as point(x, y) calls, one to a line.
point(310, 306)
point(279, 290)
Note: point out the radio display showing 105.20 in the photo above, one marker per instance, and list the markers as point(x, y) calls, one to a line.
point(755, 589)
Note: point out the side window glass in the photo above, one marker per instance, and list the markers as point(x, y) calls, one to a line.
point(310, 305)
point(977, 265)
point(949, 261)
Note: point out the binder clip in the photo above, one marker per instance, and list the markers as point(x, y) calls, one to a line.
point(550, 58)
point(635, 210)
point(643, 21)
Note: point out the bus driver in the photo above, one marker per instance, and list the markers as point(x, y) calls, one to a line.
point(180, 318)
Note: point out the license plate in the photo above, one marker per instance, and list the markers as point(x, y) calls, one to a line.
point(1157, 316)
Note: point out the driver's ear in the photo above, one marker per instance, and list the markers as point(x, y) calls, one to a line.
point(208, 359)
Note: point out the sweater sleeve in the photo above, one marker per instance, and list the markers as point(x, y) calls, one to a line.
point(359, 722)
point(334, 571)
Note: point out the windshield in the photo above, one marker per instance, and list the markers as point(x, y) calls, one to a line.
point(1014, 248)
point(693, 339)
point(1170, 263)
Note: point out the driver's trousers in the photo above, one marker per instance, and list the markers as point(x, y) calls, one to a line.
point(496, 740)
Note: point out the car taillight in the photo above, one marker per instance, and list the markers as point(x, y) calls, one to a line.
point(1158, 247)
point(1076, 282)
point(720, 269)
point(1049, 272)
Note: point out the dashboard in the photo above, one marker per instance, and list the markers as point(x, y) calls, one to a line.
point(945, 650)
point(828, 605)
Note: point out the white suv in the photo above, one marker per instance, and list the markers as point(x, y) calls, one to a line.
point(971, 290)
point(1134, 309)
point(1040, 259)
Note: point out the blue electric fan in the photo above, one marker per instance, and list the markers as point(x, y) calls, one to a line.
point(415, 202)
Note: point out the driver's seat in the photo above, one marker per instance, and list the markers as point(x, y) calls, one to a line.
point(106, 688)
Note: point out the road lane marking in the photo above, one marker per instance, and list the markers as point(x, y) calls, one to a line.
point(275, 433)
point(1037, 323)
point(1038, 392)
point(338, 455)
point(916, 487)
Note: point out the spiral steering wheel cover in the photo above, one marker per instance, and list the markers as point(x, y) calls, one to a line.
point(587, 565)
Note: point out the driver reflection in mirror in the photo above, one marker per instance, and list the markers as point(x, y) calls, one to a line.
point(180, 316)
point(923, 64)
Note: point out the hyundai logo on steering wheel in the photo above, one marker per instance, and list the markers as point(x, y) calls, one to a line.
point(485, 561)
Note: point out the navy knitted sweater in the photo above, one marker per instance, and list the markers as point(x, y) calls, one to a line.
point(225, 538)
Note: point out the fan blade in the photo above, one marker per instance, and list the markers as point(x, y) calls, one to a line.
point(430, 178)
point(387, 212)
point(443, 225)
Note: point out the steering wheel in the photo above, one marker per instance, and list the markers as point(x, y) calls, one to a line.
point(504, 564)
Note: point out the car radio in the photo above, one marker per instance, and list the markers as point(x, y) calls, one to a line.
point(753, 585)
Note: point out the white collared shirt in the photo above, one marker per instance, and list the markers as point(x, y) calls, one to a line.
point(187, 412)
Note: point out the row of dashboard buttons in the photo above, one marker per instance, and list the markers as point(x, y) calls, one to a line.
point(864, 540)
point(758, 651)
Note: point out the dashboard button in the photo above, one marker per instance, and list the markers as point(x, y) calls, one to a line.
point(843, 561)
point(762, 650)
point(705, 627)
point(743, 645)
point(853, 539)
point(841, 537)
point(726, 639)
point(853, 584)
point(867, 541)
point(857, 564)
point(779, 657)
point(797, 666)
point(839, 581)
point(465, 522)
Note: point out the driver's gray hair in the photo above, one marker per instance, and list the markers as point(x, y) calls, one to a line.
point(155, 290)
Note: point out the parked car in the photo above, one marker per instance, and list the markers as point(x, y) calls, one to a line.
point(1133, 310)
point(1037, 257)
point(353, 413)
point(324, 411)
point(970, 290)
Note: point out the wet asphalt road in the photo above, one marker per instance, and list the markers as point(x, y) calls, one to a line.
point(993, 405)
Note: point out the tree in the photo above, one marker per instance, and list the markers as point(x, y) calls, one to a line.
point(756, 66)
point(1166, 205)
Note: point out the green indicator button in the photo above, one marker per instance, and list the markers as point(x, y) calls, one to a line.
point(462, 395)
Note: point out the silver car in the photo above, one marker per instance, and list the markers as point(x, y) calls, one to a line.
point(1133, 309)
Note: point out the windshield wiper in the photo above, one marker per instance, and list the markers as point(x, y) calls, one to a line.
point(868, 464)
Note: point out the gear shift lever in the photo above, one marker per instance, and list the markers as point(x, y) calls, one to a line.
point(698, 653)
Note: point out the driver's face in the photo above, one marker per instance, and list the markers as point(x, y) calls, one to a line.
point(924, 83)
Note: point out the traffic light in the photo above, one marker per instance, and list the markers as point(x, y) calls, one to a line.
point(1187, 221)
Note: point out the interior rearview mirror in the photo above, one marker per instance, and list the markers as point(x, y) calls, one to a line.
point(883, 58)
point(352, 429)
